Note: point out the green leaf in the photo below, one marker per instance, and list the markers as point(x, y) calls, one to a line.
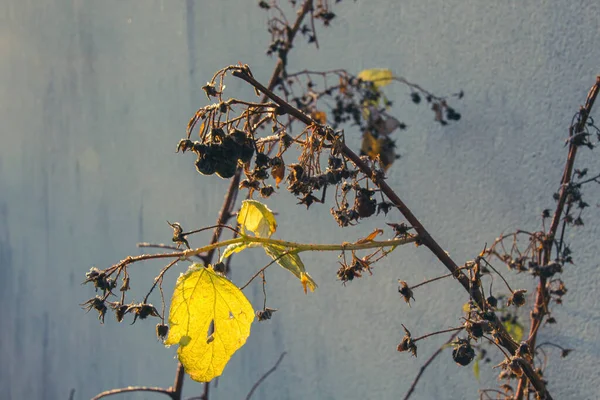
point(256, 218)
point(515, 330)
point(202, 299)
point(379, 76)
point(292, 263)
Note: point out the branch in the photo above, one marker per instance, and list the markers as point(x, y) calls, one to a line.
point(262, 378)
point(542, 299)
point(128, 389)
point(424, 237)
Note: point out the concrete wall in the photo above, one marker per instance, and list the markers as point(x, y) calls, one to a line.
point(94, 96)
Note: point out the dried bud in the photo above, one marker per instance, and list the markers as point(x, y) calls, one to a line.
point(517, 298)
point(161, 331)
point(405, 291)
point(407, 343)
point(475, 329)
point(265, 314)
point(120, 311)
point(492, 301)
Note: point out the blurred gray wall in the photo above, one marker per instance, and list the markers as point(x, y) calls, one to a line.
point(94, 96)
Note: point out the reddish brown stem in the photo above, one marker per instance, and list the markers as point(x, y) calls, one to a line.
point(542, 298)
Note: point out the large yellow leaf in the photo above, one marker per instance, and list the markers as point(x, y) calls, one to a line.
point(292, 263)
point(379, 76)
point(256, 218)
point(203, 299)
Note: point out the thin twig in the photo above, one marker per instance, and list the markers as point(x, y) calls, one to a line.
point(266, 374)
point(113, 392)
point(460, 328)
point(427, 363)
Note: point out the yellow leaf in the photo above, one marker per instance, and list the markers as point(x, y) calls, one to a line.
point(319, 116)
point(466, 307)
point(382, 147)
point(379, 76)
point(371, 236)
point(236, 248)
point(203, 299)
point(278, 172)
point(256, 218)
point(514, 329)
point(476, 369)
point(292, 263)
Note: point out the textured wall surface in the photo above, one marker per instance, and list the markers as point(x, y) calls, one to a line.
point(94, 96)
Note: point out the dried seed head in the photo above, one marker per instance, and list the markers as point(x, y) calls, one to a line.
point(517, 298)
point(463, 353)
point(265, 314)
point(492, 301)
point(407, 343)
point(161, 331)
point(405, 291)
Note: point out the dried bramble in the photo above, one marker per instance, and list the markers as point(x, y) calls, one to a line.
point(100, 280)
point(226, 168)
point(407, 343)
point(205, 165)
point(517, 298)
point(120, 310)
point(262, 160)
point(492, 301)
point(161, 331)
point(463, 353)
point(405, 291)
point(142, 311)
point(364, 204)
point(265, 314)
point(476, 329)
point(97, 303)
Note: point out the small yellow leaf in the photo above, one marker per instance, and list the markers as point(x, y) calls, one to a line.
point(466, 307)
point(278, 172)
point(201, 129)
point(476, 369)
point(203, 299)
point(382, 147)
point(371, 236)
point(319, 116)
point(292, 263)
point(379, 76)
point(236, 248)
point(256, 218)
point(515, 330)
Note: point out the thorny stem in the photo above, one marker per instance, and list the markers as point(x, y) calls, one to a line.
point(542, 297)
point(427, 363)
point(425, 237)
